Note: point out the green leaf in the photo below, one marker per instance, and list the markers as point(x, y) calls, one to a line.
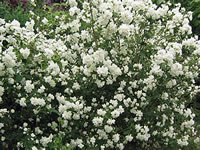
point(18, 78)
point(53, 111)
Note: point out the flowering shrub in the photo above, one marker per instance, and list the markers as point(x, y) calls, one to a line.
point(193, 6)
point(109, 75)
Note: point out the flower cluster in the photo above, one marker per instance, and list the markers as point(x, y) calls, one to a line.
point(111, 73)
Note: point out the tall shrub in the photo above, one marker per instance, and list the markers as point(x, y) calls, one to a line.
point(109, 75)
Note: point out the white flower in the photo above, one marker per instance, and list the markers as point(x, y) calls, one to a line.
point(112, 28)
point(97, 121)
point(73, 3)
point(178, 17)
point(126, 17)
point(165, 96)
point(115, 113)
point(30, 25)
point(44, 20)
point(111, 121)
point(25, 52)
point(75, 25)
point(162, 11)
point(34, 148)
point(105, 17)
point(73, 11)
point(29, 86)
point(22, 102)
point(99, 55)
point(197, 140)
point(108, 129)
point(171, 83)
point(2, 67)
point(45, 140)
point(11, 71)
point(38, 131)
point(87, 59)
point(138, 66)
point(187, 112)
point(53, 68)
point(33, 2)
point(9, 60)
point(1, 90)
point(102, 147)
point(100, 83)
point(15, 25)
point(93, 140)
point(176, 69)
point(138, 5)
point(124, 30)
point(67, 115)
point(119, 97)
point(197, 52)
point(105, 62)
point(186, 28)
point(187, 124)
point(11, 81)
point(37, 101)
point(50, 81)
point(41, 89)
point(48, 52)
point(102, 71)
point(115, 138)
point(3, 138)
point(115, 70)
point(76, 86)
point(2, 21)
point(151, 12)
point(183, 142)
point(129, 138)
point(1, 125)
point(143, 134)
point(101, 112)
point(189, 42)
point(156, 70)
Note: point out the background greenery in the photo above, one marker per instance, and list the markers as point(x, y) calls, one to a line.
point(10, 13)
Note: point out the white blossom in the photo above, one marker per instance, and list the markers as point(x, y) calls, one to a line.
point(29, 86)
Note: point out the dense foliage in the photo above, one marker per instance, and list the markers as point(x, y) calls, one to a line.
point(8, 13)
point(106, 74)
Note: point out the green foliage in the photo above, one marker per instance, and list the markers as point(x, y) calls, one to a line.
point(18, 13)
point(194, 7)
